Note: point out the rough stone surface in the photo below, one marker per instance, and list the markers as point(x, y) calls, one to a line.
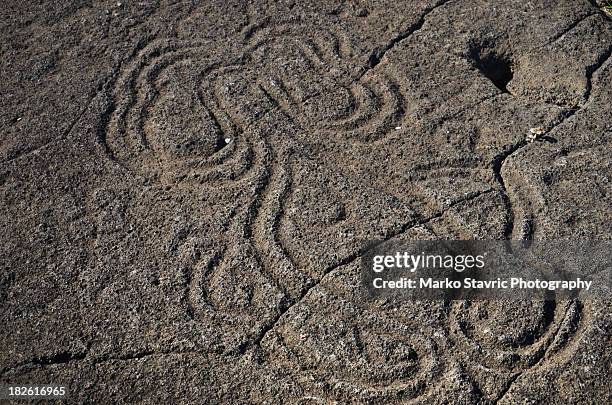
point(187, 187)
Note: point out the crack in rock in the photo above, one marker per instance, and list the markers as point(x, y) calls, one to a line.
point(351, 258)
point(500, 160)
point(377, 55)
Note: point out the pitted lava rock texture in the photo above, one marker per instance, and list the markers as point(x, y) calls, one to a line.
point(187, 189)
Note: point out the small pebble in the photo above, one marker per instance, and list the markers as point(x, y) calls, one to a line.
point(398, 127)
point(534, 133)
point(361, 12)
point(228, 140)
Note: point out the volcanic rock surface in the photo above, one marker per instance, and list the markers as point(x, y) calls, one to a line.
point(187, 189)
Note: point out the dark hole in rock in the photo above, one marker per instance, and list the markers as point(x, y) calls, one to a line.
point(496, 67)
